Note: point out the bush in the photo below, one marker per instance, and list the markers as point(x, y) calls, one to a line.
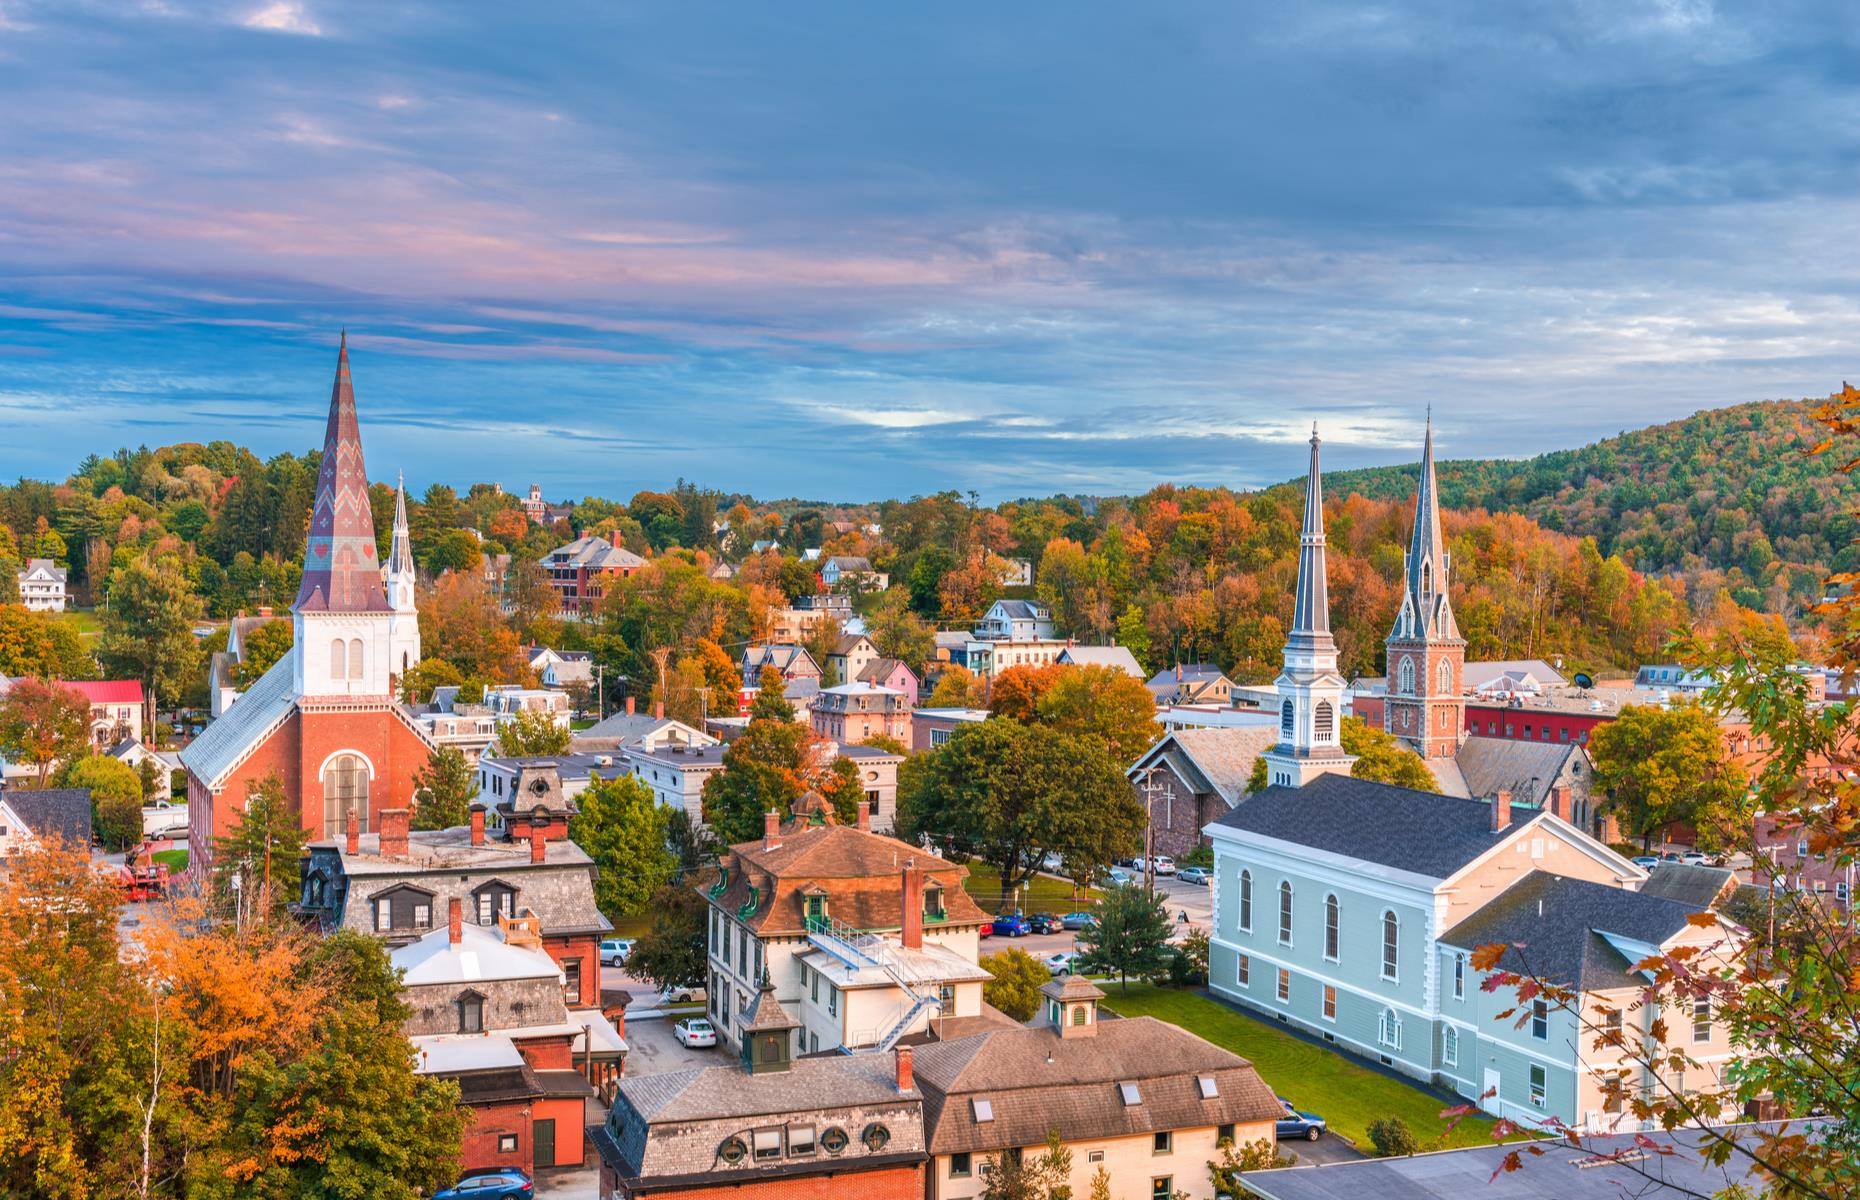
point(1200, 856)
point(1392, 1137)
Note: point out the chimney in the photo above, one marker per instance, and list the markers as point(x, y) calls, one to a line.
point(911, 932)
point(865, 816)
point(455, 920)
point(355, 833)
point(629, 706)
point(394, 832)
point(264, 610)
point(1501, 810)
point(771, 829)
point(477, 824)
point(539, 844)
point(658, 711)
point(905, 1082)
point(1559, 802)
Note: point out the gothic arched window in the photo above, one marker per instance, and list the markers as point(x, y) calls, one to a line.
point(1285, 720)
point(337, 658)
point(345, 791)
point(1445, 676)
point(1405, 676)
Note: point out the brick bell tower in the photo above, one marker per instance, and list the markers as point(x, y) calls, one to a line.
point(1426, 654)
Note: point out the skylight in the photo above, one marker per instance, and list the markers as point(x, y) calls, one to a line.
point(984, 1109)
point(1131, 1095)
point(1206, 1083)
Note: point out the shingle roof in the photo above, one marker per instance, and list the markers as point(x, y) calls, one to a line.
point(53, 812)
point(1559, 921)
point(1525, 769)
point(1399, 827)
point(1224, 756)
point(229, 736)
point(1698, 887)
point(705, 1093)
point(860, 871)
point(1037, 1081)
point(1119, 657)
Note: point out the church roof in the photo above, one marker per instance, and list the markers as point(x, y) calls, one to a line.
point(341, 573)
point(400, 553)
point(231, 735)
point(1426, 612)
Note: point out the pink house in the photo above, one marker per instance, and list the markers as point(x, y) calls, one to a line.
point(892, 673)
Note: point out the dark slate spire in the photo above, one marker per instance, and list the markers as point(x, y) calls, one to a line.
point(1426, 611)
point(340, 570)
point(1311, 613)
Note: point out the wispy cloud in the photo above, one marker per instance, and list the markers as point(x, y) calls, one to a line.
point(283, 16)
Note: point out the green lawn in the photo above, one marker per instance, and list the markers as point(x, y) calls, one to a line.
point(86, 622)
point(1043, 894)
point(1314, 1079)
point(175, 860)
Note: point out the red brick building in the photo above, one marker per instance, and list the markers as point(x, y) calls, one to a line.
point(324, 719)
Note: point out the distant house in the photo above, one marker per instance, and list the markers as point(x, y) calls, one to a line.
point(1017, 573)
point(675, 771)
point(638, 731)
point(534, 506)
point(850, 656)
point(1117, 657)
point(1191, 683)
point(850, 568)
point(1190, 777)
point(1526, 676)
point(505, 701)
point(878, 776)
point(854, 712)
point(570, 668)
point(222, 671)
point(790, 661)
point(29, 817)
point(891, 673)
point(1016, 621)
point(931, 727)
point(42, 585)
point(115, 709)
point(1675, 678)
point(578, 571)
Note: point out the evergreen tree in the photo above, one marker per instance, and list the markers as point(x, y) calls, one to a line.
point(255, 864)
point(443, 790)
point(1129, 935)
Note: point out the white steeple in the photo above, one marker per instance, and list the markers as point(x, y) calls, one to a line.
point(397, 573)
point(1310, 689)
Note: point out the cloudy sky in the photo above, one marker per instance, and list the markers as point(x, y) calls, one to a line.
point(854, 250)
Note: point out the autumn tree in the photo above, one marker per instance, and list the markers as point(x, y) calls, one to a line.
point(419, 681)
point(461, 622)
point(1661, 766)
point(1102, 705)
point(766, 769)
point(1016, 692)
point(262, 647)
point(899, 633)
point(625, 831)
point(34, 643)
point(43, 722)
point(148, 629)
point(1381, 757)
point(1042, 1175)
point(255, 863)
point(530, 733)
point(443, 790)
point(116, 796)
point(1017, 979)
point(959, 688)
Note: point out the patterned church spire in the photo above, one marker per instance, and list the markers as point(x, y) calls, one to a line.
point(340, 571)
point(1426, 610)
point(1311, 612)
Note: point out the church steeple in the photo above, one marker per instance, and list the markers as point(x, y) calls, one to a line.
point(1310, 689)
point(400, 551)
point(340, 571)
point(1426, 653)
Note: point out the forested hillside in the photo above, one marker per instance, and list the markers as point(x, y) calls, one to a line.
point(1726, 496)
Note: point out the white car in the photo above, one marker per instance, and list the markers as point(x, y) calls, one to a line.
point(695, 1033)
point(614, 951)
point(1060, 962)
point(1162, 864)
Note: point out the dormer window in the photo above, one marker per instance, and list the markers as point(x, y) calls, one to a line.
point(933, 902)
point(471, 1013)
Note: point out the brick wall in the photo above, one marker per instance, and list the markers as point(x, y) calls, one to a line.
point(886, 1183)
point(489, 1122)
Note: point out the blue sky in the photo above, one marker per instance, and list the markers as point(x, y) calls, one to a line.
point(860, 250)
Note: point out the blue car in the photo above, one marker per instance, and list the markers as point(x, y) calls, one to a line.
point(504, 1183)
point(1012, 925)
point(1295, 1124)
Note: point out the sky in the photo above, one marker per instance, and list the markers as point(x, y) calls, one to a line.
point(849, 251)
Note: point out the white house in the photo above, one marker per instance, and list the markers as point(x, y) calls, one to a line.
point(42, 586)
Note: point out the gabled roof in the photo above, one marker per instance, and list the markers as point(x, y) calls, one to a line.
point(1561, 922)
point(1021, 610)
point(883, 668)
point(849, 642)
point(1696, 887)
point(107, 691)
point(1525, 769)
point(43, 567)
point(630, 729)
point(229, 736)
point(1223, 756)
point(1399, 827)
point(53, 812)
point(1118, 657)
point(1476, 676)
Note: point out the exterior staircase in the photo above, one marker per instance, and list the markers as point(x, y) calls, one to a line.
point(859, 950)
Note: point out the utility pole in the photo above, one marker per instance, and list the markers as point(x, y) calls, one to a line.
point(1149, 829)
point(599, 693)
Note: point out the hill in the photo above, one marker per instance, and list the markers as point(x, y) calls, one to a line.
point(1726, 497)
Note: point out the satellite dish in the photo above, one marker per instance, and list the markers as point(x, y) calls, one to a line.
point(1583, 681)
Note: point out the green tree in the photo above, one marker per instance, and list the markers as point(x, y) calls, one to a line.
point(672, 953)
point(529, 733)
point(625, 831)
point(1102, 705)
point(1044, 1175)
point(255, 863)
point(115, 797)
point(42, 722)
point(417, 684)
point(148, 630)
point(443, 790)
point(959, 688)
point(764, 770)
point(1392, 1138)
point(1010, 794)
point(1380, 757)
point(262, 648)
point(899, 633)
point(1130, 935)
point(1133, 632)
point(1659, 766)
point(1235, 1161)
point(1018, 978)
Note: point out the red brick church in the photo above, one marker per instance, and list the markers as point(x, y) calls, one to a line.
point(325, 718)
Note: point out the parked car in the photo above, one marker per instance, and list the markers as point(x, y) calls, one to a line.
point(1134, 864)
point(1060, 962)
point(1052, 862)
point(1646, 862)
point(687, 995)
point(1118, 877)
point(1012, 925)
point(1162, 864)
point(1295, 1124)
point(615, 950)
point(986, 931)
point(1672, 856)
point(695, 1033)
point(1695, 858)
point(1078, 920)
point(504, 1183)
point(1197, 875)
point(1044, 923)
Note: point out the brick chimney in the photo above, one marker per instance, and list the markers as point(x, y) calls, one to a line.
point(865, 815)
point(905, 1081)
point(1501, 810)
point(355, 833)
point(539, 844)
point(629, 706)
point(394, 832)
point(455, 920)
point(911, 933)
point(658, 711)
point(477, 824)
point(771, 829)
point(1559, 802)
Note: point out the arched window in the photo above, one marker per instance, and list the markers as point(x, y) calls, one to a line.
point(1332, 934)
point(1285, 720)
point(1285, 913)
point(1427, 577)
point(1445, 676)
point(1246, 901)
point(1322, 725)
point(1390, 956)
point(1450, 1046)
point(1406, 676)
point(355, 658)
point(338, 657)
point(1388, 1029)
point(345, 791)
